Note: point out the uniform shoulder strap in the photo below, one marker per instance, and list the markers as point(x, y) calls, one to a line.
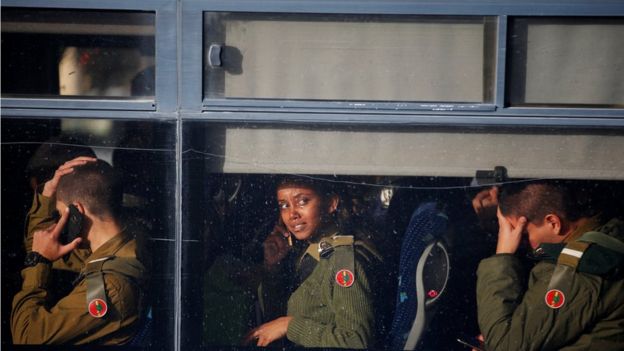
point(128, 268)
point(343, 260)
point(97, 301)
point(603, 240)
point(342, 240)
point(571, 254)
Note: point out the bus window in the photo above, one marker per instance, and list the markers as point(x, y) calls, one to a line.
point(232, 176)
point(77, 53)
point(370, 58)
point(142, 155)
point(572, 62)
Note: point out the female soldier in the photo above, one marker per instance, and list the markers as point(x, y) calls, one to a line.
point(333, 304)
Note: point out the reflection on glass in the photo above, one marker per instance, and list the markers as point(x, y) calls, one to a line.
point(415, 206)
point(340, 57)
point(77, 53)
point(567, 62)
point(131, 220)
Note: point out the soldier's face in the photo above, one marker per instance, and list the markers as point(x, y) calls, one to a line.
point(302, 210)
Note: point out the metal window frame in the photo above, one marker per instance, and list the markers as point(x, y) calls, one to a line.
point(195, 106)
point(163, 107)
point(346, 106)
point(179, 93)
point(165, 99)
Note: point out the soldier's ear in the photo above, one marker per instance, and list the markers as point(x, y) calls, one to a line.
point(79, 207)
point(554, 223)
point(333, 204)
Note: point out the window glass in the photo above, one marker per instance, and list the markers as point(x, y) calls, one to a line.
point(233, 178)
point(576, 62)
point(142, 155)
point(77, 53)
point(340, 57)
point(420, 152)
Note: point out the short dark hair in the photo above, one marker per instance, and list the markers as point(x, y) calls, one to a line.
point(534, 200)
point(322, 187)
point(53, 153)
point(96, 185)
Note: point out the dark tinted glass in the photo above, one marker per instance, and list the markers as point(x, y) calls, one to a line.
point(383, 176)
point(142, 153)
point(77, 53)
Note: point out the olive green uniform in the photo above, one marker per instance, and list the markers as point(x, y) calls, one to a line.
point(33, 321)
point(326, 313)
point(514, 316)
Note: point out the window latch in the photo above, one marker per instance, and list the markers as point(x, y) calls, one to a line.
point(487, 177)
point(214, 55)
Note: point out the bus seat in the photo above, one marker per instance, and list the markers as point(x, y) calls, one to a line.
point(423, 274)
point(144, 334)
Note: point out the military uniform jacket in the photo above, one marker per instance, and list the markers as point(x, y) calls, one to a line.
point(34, 321)
point(515, 315)
point(333, 306)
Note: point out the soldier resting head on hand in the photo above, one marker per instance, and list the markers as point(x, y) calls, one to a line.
point(572, 296)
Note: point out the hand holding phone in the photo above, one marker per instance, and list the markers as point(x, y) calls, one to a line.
point(73, 228)
point(276, 245)
point(47, 242)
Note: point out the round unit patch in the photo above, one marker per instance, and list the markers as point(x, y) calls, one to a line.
point(97, 308)
point(554, 298)
point(345, 278)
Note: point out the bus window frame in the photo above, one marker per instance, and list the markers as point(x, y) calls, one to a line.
point(165, 36)
point(438, 113)
point(179, 78)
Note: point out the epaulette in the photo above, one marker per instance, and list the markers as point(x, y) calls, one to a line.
point(593, 253)
point(583, 256)
point(97, 300)
point(343, 260)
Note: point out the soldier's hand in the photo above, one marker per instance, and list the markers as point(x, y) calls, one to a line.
point(485, 204)
point(46, 243)
point(276, 246)
point(49, 188)
point(509, 236)
point(482, 340)
point(268, 332)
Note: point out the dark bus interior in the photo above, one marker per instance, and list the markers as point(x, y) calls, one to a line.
point(226, 212)
point(226, 217)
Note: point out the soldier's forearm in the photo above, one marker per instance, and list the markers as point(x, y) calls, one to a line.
point(31, 297)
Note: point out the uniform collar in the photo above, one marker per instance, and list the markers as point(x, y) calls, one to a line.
point(550, 252)
point(110, 247)
point(592, 223)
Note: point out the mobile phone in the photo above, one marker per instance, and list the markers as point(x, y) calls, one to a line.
point(73, 227)
point(472, 343)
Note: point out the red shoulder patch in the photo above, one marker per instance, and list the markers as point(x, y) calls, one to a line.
point(98, 308)
point(554, 298)
point(345, 278)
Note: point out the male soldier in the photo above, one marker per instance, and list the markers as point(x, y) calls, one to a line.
point(106, 301)
point(573, 298)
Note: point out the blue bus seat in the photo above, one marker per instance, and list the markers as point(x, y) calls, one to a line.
point(423, 272)
point(144, 334)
